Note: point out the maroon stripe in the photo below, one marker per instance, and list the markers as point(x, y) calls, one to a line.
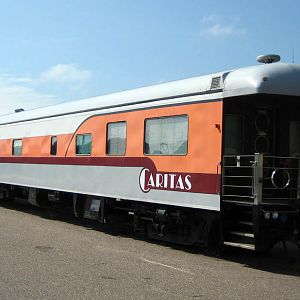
point(181, 182)
point(84, 161)
point(205, 183)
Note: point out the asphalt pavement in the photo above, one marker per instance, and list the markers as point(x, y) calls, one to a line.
point(42, 257)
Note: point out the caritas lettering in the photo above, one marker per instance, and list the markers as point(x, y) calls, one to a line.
point(164, 181)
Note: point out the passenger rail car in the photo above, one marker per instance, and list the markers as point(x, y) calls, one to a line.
point(211, 160)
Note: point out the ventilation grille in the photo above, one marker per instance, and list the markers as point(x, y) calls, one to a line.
point(215, 83)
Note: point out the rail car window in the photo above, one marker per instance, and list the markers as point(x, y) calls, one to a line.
point(116, 138)
point(233, 134)
point(83, 144)
point(17, 147)
point(53, 148)
point(166, 136)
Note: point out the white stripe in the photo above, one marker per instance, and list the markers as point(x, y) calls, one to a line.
point(167, 266)
point(114, 182)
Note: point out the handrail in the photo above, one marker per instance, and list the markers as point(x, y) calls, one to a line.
point(251, 176)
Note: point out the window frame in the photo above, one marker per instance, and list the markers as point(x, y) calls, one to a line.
point(53, 153)
point(106, 145)
point(13, 152)
point(165, 117)
point(91, 148)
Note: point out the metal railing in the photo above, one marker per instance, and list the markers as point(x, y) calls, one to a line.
point(258, 179)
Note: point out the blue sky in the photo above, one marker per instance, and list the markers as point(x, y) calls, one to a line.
point(56, 51)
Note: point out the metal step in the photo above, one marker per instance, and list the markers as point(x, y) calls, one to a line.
point(240, 233)
point(240, 202)
point(240, 245)
point(248, 223)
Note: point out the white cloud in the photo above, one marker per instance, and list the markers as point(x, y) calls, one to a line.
point(211, 18)
point(217, 26)
point(65, 73)
point(50, 87)
point(13, 96)
point(219, 30)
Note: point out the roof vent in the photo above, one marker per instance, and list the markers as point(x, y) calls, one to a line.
point(215, 83)
point(268, 58)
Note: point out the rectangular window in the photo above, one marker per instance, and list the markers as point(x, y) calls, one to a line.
point(116, 138)
point(233, 134)
point(166, 136)
point(17, 147)
point(53, 149)
point(83, 144)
